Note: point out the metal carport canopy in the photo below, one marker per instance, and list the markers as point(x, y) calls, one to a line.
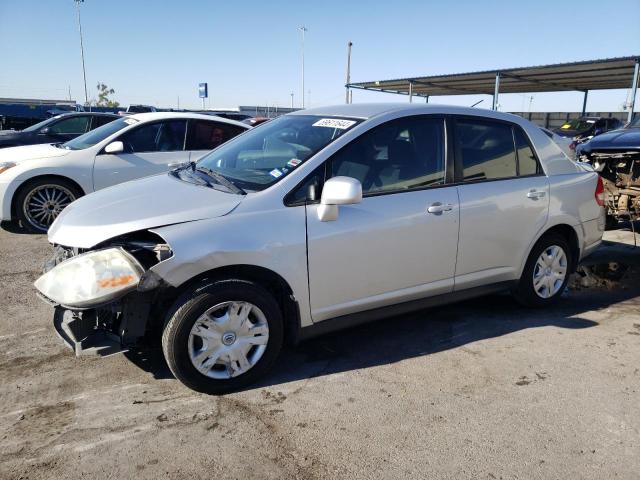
point(583, 76)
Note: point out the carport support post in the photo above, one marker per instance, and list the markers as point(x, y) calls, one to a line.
point(410, 91)
point(496, 90)
point(634, 88)
point(584, 102)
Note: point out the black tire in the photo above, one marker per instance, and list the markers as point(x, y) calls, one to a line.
point(190, 306)
point(525, 292)
point(21, 209)
point(611, 222)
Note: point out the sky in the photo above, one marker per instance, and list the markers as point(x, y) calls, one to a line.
point(249, 52)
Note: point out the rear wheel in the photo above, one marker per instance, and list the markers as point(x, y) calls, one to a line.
point(223, 336)
point(38, 203)
point(611, 222)
point(546, 272)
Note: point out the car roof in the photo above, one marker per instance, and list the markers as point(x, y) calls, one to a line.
point(96, 114)
point(149, 116)
point(369, 110)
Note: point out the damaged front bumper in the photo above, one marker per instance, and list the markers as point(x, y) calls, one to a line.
point(108, 330)
point(116, 324)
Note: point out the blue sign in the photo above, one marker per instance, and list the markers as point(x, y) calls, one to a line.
point(203, 90)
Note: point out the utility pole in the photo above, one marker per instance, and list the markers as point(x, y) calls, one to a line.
point(346, 98)
point(84, 74)
point(303, 29)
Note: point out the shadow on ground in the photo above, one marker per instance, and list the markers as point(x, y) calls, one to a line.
point(13, 227)
point(422, 333)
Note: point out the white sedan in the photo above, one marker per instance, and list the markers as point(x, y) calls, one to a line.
point(38, 181)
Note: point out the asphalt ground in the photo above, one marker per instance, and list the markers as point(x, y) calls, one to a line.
point(484, 389)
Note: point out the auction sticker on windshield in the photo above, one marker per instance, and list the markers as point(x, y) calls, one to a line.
point(334, 123)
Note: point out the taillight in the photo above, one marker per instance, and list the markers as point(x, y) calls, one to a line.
point(572, 146)
point(600, 192)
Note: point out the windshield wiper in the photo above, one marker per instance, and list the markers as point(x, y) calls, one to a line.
point(221, 179)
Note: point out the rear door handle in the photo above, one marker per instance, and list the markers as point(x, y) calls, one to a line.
point(437, 208)
point(535, 194)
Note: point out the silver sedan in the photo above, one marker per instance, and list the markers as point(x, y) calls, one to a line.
point(316, 221)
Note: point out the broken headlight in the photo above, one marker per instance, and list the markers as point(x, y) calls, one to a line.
point(91, 278)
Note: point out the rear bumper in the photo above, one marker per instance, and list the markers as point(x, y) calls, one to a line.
point(592, 232)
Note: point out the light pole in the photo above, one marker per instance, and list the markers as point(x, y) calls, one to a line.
point(346, 98)
point(291, 99)
point(303, 29)
point(84, 73)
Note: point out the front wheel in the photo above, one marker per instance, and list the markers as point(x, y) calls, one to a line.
point(546, 272)
point(39, 202)
point(223, 336)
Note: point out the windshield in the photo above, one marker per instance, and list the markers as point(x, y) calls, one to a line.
point(578, 125)
point(38, 126)
point(89, 139)
point(260, 157)
point(635, 123)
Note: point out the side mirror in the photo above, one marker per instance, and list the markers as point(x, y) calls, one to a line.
point(114, 147)
point(45, 131)
point(338, 191)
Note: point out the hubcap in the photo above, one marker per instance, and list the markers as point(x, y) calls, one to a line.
point(228, 339)
point(44, 203)
point(550, 271)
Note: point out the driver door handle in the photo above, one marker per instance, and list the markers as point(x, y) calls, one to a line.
point(535, 194)
point(437, 208)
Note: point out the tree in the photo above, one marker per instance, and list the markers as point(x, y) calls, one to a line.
point(103, 96)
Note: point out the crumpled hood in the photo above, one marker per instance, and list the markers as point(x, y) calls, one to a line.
point(137, 205)
point(31, 152)
point(617, 139)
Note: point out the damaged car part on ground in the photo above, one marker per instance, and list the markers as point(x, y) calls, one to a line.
point(320, 220)
point(616, 157)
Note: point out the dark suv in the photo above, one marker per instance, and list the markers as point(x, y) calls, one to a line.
point(58, 129)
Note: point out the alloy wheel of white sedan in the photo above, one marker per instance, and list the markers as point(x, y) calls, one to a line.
point(44, 203)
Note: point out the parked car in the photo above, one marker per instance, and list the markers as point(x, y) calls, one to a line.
point(319, 220)
point(255, 121)
point(38, 181)
point(583, 129)
point(564, 143)
point(240, 117)
point(616, 156)
point(141, 109)
point(57, 129)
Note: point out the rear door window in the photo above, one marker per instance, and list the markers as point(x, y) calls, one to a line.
point(166, 136)
point(207, 135)
point(484, 149)
point(100, 120)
